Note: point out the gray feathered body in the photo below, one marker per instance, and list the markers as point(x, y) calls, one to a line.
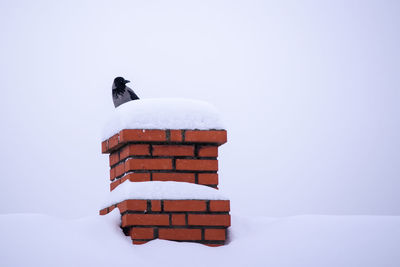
point(123, 96)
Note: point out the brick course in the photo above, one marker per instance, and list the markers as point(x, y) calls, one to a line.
point(184, 205)
point(135, 150)
point(174, 176)
point(179, 234)
point(173, 150)
point(142, 135)
point(216, 137)
point(132, 205)
point(164, 155)
point(208, 151)
point(148, 164)
point(179, 220)
point(215, 234)
point(208, 178)
point(144, 219)
point(209, 219)
point(219, 205)
point(197, 164)
point(141, 233)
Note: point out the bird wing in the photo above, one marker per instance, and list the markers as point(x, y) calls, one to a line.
point(132, 94)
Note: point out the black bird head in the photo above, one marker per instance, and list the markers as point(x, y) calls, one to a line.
point(120, 82)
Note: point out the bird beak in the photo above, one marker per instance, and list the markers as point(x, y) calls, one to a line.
point(126, 81)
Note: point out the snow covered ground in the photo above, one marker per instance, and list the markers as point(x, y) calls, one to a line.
point(309, 240)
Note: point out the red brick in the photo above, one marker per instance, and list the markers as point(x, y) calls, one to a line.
point(178, 219)
point(111, 208)
point(179, 234)
point(209, 219)
point(185, 205)
point(142, 135)
point(173, 176)
point(208, 178)
point(215, 234)
point(218, 137)
point(103, 211)
point(123, 179)
point(112, 174)
point(142, 233)
point(197, 164)
point(139, 242)
point(120, 169)
point(219, 205)
point(104, 147)
point(145, 219)
point(138, 177)
point(175, 136)
point(132, 177)
point(149, 164)
point(213, 245)
point(113, 143)
point(114, 184)
point(172, 150)
point(208, 151)
point(114, 158)
point(135, 150)
point(132, 205)
point(156, 205)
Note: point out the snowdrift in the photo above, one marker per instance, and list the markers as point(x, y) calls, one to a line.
point(40, 240)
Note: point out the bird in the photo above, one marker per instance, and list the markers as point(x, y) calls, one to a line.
point(122, 93)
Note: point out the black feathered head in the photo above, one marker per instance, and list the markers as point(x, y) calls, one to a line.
point(120, 82)
point(119, 86)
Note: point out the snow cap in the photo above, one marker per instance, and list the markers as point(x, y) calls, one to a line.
point(163, 113)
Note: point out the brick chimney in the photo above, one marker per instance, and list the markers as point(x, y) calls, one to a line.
point(190, 156)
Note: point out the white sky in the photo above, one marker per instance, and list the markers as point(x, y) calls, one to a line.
point(310, 91)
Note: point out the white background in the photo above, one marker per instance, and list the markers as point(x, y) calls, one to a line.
point(309, 90)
